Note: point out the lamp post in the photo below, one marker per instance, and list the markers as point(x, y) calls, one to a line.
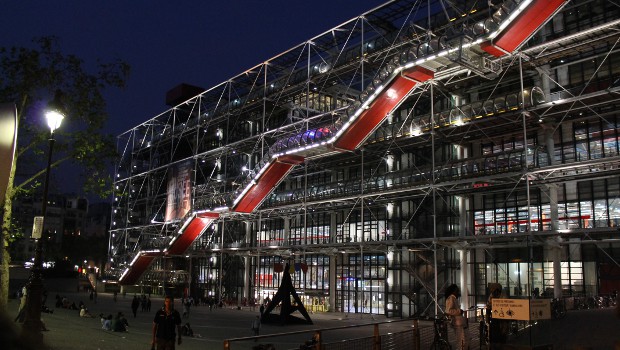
point(32, 322)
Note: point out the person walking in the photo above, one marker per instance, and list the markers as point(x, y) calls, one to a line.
point(135, 303)
point(166, 325)
point(458, 320)
point(256, 326)
point(186, 305)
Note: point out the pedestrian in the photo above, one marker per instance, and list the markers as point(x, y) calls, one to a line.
point(166, 324)
point(186, 307)
point(498, 329)
point(21, 311)
point(261, 309)
point(256, 326)
point(134, 305)
point(148, 304)
point(457, 318)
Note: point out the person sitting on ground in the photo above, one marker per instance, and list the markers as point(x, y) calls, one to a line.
point(124, 320)
point(84, 312)
point(106, 322)
point(119, 323)
point(46, 309)
point(187, 330)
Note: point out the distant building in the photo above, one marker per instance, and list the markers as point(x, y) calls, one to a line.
point(66, 215)
point(97, 220)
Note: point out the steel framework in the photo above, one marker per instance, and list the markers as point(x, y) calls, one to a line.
point(392, 135)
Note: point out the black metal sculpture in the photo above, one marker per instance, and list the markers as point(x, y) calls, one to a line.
point(283, 295)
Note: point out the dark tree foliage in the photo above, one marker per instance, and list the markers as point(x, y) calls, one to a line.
point(29, 77)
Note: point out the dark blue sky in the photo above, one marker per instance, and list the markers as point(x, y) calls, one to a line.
point(202, 43)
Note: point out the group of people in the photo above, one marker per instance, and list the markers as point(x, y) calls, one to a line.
point(65, 303)
point(458, 319)
point(143, 301)
point(117, 323)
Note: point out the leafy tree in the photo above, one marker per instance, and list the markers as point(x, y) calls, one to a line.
point(29, 77)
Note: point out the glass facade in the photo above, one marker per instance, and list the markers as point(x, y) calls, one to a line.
point(504, 172)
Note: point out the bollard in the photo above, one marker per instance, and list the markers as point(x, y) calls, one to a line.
point(416, 335)
point(318, 340)
point(376, 344)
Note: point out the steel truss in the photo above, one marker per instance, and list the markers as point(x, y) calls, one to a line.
point(434, 136)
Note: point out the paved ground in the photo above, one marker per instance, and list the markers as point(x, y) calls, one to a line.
point(68, 331)
point(584, 329)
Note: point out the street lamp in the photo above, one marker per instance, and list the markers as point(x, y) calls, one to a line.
point(32, 323)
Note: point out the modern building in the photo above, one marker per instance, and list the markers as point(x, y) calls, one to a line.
point(420, 144)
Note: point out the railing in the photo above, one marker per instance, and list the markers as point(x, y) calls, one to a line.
point(416, 334)
point(403, 334)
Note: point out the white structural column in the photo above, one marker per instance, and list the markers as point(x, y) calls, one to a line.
point(464, 252)
point(287, 230)
point(392, 299)
point(463, 205)
point(332, 263)
point(555, 248)
point(393, 282)
point(247, 263)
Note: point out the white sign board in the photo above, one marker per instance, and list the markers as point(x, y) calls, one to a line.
point(540, 309)
point(521, 309)
point(511, 309)
point(37, 227)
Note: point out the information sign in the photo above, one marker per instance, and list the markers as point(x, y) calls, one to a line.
point(37, 227)
point(511, 309)
point(521, 309)
point(540, 309)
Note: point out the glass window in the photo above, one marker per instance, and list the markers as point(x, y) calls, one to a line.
point(601, 217)
point(585, 216)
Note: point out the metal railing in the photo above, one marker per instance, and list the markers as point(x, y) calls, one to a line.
point(415, 334)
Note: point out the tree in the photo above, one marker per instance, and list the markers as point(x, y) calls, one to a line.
point(30, 77)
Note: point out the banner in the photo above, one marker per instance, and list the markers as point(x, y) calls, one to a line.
point(179, 191)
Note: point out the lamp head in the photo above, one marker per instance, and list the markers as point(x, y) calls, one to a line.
point(55, 111)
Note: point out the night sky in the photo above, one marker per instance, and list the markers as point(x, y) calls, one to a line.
point(166, 43)
point(202, 43)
